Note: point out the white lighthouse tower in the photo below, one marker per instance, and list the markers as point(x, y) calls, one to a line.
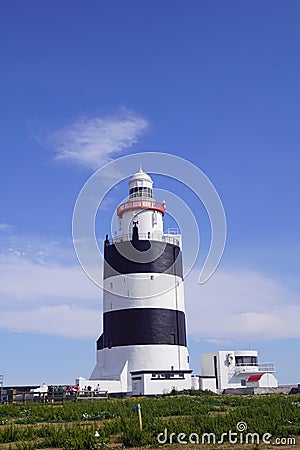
point(143, 348)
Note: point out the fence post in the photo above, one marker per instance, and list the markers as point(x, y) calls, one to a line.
point(140, 416)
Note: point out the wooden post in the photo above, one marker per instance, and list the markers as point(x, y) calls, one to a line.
point(139, 409)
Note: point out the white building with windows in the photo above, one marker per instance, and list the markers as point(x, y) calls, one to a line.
point(235, 369)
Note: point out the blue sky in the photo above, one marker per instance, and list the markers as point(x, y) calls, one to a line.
point(215, 82)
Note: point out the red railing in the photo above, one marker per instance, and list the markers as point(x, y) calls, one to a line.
point(140, 204)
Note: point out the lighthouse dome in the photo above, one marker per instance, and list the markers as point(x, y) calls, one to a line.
point(140, 185)
point(140, 176)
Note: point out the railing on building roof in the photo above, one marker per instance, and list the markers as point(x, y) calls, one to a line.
point(266, 367)
point(250, 367)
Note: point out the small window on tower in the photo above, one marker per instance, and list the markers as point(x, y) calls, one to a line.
point(152, 277)
point(154, 218)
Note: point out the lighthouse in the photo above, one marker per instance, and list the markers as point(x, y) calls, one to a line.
point(143, 345)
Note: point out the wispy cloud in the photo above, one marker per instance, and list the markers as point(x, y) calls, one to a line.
point(44, 290)
point(48, 299)
point(61, 320)
point(5, 227)
point(22, 280)
point(94, 141)
point(35, 249)
point(240, 306)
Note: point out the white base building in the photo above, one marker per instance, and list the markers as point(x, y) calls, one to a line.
point(235, 369)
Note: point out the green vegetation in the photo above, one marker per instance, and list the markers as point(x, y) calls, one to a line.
point(114, 422)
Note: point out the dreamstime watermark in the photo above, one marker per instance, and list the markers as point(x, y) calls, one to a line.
point(240, 436)
point(95, 190)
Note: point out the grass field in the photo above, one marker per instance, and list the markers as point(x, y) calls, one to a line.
point(201, 420)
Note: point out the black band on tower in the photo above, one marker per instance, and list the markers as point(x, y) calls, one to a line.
point(142, 326)
point(166, 258)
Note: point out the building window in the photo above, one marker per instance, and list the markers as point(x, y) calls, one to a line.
point(246, 361)
point(243, 382)
point(152, 277)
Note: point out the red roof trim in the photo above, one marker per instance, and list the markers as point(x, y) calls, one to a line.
point(255, 377)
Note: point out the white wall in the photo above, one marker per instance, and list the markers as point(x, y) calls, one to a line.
point(229, 375)
point(110, 362)
point(208, 384)
point(267, 380)
point(147, 386)
point(149, 221)
point(143, 290)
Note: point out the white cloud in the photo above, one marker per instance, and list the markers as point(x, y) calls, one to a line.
point(93, 141)
point(5, 227)
point(35, 249)
point(240, 306)
point(48, 299)
point(24, 280)
point(62, 320)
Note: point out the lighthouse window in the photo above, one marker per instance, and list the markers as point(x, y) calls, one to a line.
point(140, 192)
point(154, 218)
point(152, 277)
